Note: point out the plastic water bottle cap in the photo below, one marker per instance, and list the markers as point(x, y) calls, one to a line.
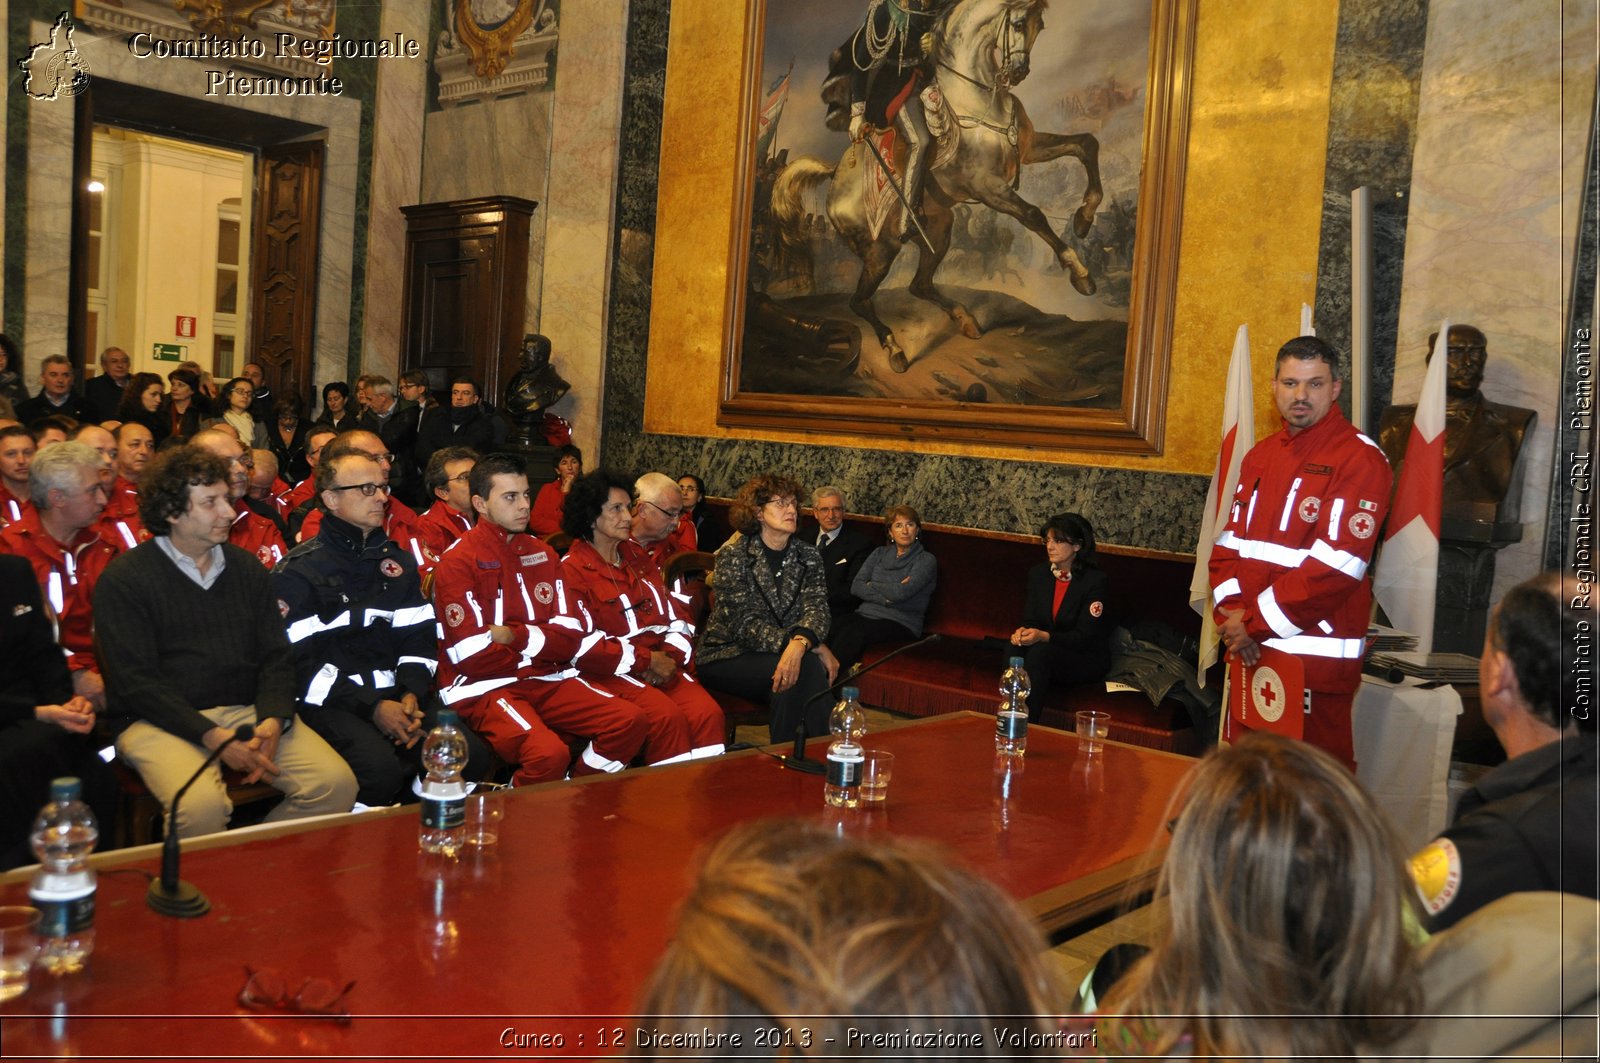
point(851, 693)
point(448, 718)
point(1016, 662)
point(66, 788)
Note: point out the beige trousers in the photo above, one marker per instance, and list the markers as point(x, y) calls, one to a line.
point(313, 778)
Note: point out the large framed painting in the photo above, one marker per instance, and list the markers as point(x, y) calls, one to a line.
point(959, 219)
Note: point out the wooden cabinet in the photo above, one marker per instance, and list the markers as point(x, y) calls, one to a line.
point(466, 291)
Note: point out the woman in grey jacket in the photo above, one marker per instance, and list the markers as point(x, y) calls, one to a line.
point(895, 586)
point(763, 641)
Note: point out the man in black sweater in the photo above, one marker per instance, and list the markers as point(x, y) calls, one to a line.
point(193, 646)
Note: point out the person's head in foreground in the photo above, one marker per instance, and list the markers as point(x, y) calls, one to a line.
point(1288, 927)
point(789, 924)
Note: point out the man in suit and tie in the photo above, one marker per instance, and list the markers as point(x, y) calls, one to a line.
point(843, 550)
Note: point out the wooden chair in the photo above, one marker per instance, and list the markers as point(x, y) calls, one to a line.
point(139, 814)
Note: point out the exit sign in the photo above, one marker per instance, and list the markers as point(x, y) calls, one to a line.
point(170, 352)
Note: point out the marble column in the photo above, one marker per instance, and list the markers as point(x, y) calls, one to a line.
point(396, 182)
point(578, 214)
point(1507, 88)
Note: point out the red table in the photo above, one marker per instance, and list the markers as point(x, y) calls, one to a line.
point(553, 931)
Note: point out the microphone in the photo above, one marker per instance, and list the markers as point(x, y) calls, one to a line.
point(797, 759)
point(168, 894)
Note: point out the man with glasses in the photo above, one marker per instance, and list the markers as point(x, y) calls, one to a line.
point(362, 635)
point(659, 523)
point(59, 539)
point(251, 530)
point(400, 521)
point(448, 480)
point(844, 550)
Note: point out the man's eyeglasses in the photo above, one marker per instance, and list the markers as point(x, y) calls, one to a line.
point(670, 514)
point(368, 490)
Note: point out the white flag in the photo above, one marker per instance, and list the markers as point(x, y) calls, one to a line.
point(1407, 572)
point(1238, 436)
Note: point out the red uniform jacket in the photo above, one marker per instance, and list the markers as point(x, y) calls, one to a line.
point(255, 533)
point(120, 524)
point(400, 523)
point(679, 539)
point(492, 578)
point(1294, 556)
point(441, 526)
point(629, 601)
point(12, 508)
point(300, 493)
point(547, 505)
point(67, 577)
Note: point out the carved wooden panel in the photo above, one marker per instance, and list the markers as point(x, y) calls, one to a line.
point(284, 284)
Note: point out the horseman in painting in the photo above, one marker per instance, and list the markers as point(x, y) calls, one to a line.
point(969, 53)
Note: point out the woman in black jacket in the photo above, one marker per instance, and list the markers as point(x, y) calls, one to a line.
point(1065, 632)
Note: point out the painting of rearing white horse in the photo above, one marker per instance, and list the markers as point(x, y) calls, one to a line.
point(952, 210)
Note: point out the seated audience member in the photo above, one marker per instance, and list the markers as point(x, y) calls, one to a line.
point(336, 412)
point(263, 402)
point(252, 531)
point(266, 487)
point(58, 538)
point(48, 430)
point(303, 494)
point(185, 405)
point(765, 637)
point(621, 590)
point(56, 397)
point(103, 443)
point(46, 731)
point(193, 646)
point(710, 531)
point(120, 524)
point(512, 643)
point(400, 523)
point(894, 588)
point(11, 389)
point(206, 385)
point(141, 404)
point(815, 939)
point(552, 497)
point(415, 394)
point(102, 395)
point(1065, 632)
point(362, 635)
point(16, 456)
point(1289, 912)
point(363, 391)
point(286, 438)
point(658, 522)
point(1528, 824)
point(237, 396)
point(399, 435)
point(448, 480)
point(464, 423)
point(844, 550)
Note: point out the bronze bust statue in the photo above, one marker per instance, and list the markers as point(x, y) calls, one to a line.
point(536, 386)
point(1483, 439)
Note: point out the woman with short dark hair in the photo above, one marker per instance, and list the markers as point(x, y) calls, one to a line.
point(546, 518)
point(764, 639)
point(1065, 632)
point(185, 405)
point(710, 531)
point(621, 589)
point(237, 395)
point(336, 411)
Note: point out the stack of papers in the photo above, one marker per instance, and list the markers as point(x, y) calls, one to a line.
point(1381, 639)
point(1433, 667)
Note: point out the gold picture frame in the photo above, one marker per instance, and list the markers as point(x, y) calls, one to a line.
point(1131, 423)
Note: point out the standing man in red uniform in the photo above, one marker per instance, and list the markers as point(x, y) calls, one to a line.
point(1290, 570)
point(512, 643)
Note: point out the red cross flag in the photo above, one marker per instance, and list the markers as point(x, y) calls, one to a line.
point(1238, 436)
point(1408, 568)
point(1269, 695)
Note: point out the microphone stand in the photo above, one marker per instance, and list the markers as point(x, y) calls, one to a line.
point(796, 758)
point(169, 895)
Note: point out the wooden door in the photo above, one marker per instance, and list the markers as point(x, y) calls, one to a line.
point(284, 277)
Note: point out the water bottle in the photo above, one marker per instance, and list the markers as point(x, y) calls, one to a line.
point(64, 886)
point(444, 793)
point(1011, 719)
point(845, 756)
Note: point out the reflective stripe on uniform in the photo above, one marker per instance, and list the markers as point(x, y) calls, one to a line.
point(1227, 589)
point(1276, 618)
point(1258, 550)
point(469, 646)
point(308, 626)
point(321, 683)
point(1318, 646)
point(427, 662)
point(600, 763)
point(411, 615)
point(1340, 560)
